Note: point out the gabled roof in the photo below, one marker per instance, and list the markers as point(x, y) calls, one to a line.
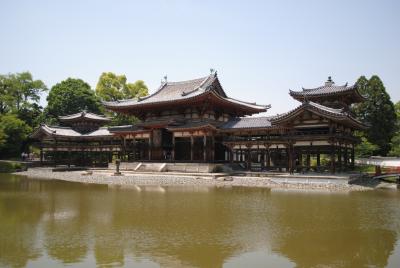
point(329, 89)
point(125, 128)
point(331, 113)
point(192, 125)
point(248, 122)
point(67, 132)
point(180, 92)
point(84, 115)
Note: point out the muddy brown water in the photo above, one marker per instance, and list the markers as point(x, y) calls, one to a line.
point(53, 224)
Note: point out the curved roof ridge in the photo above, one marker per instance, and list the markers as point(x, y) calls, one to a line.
point(251, 103)
point(188, 81)
point(84, 114)
point(150, 95)
point(345, 86)
point(320, 106)
point(174, 83)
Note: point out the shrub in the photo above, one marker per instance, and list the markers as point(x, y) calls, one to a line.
point(9, 167)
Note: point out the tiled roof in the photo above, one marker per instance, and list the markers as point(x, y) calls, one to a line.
point(124, 128)
point(328, 89)
point(57, 131)
point(173, 91)
point(170, 91)
point(103, 131)
point(338, 114)
point(247, 122)
point(85, 115)
point(193, 124)
point(60, 131)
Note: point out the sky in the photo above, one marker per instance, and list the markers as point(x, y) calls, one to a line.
point(260, 49)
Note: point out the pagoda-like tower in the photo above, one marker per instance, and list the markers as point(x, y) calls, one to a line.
point(330, 95)
point(84, 122)
point(78, 136)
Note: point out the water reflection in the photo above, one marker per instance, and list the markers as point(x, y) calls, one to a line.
point(71, 223)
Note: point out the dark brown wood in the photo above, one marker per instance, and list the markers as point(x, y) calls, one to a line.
point(205, 148)
point(332, 156)
point(191, 148)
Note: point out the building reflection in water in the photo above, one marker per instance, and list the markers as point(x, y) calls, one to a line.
point(193, 226)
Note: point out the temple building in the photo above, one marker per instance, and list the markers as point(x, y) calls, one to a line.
point(196, 121)
point(80, 140)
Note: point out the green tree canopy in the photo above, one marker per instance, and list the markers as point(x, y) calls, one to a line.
point(71, 96)
point(19, 90)
point(135, 90)
point(15, 132)
point(3, 139)
point(112, 87)
point(378, 111)
point(395, 143)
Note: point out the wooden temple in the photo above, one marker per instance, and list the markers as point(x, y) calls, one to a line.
point(81, 139)
point(196, 121)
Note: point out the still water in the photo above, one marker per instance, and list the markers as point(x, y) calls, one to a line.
point(53, 224)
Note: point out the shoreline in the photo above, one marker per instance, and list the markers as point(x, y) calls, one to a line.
point(165, 179)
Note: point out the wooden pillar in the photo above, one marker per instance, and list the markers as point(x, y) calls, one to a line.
point(134, 149)
point(191, 148)
point(212, 148)
point(346, 158)
point(318, 159)
point(268, 162)
point(308, 161)
point(150, 147)
point(301, 160)
point(248, 158)
point(340, 157)
point(41, 155)
point(124, 146)
point(231, 154)
point(173, 147)
point(352, 156)
point(332, 154)
point(205, 148)
point(290, 158)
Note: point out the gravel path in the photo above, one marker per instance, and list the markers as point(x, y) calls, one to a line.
point(165, 179)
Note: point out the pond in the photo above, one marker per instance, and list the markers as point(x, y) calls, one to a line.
point(53, 223)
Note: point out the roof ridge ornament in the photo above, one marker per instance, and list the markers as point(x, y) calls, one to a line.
point(213, 72)
point(330, 82)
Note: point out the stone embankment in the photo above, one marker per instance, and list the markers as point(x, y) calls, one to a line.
point(171, 179)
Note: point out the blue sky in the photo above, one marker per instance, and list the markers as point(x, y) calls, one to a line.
point(261, 49)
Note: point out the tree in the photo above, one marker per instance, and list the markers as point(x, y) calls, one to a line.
point(112, 87)
point(18, 90)
point(395, 143)
point(3, 138)
point(16, 133)
point(31, 113)
point(71, 96)
point(135, 90)
point(365, 148)
point(377, 111)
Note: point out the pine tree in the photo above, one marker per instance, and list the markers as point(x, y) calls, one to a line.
point(377, 111)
